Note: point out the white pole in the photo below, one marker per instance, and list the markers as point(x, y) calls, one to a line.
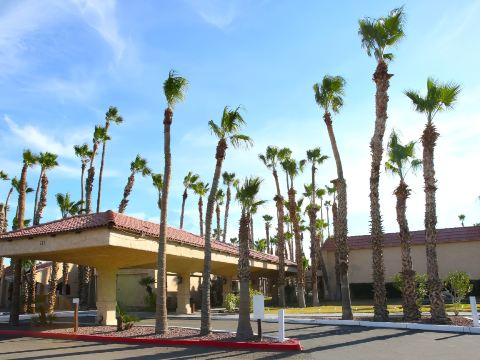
point(281, 324)
point(473, 306)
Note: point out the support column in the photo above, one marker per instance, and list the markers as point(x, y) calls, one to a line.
point(106, 296)
point(183, 294)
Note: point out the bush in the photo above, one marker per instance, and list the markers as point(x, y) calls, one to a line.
point(458, 286)
point(232, 301)
point(420, 281)
point(125, 321)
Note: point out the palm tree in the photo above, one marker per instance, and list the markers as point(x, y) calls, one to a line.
point(85, 154)
point(47, 161)
point(137, 166)
point(293, 169)
point(67, 206)
point(270, 159)
point(3, 212)
point(234, 240)
point(219, 198)
point(268, 224)
point(401, 159)
point(174, 89)
point(201, 189)
point(261, 245)
point(227, 132)
point(99, 136)
point(111, 116)
point(246, 196)
point(461, 217)
point(328, 205)
point(329, 96)
point(157, 181)
point(29, 159)
point(439, 97)
point(189, 182)
point(229, 180)
point(377, 35)
point(320, 224)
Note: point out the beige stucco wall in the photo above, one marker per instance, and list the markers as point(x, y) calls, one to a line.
point(455, 256)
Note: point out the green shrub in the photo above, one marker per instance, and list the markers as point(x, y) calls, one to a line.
point(124, 321)
point(231, 302)
point(458, 285)
point(421, 283)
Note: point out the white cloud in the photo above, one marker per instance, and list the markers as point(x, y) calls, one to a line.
point(218, 13)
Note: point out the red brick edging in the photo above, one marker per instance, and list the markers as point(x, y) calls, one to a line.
point(291, 345)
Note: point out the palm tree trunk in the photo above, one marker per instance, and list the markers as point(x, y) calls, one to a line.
point(381, 78)
point(244, 327)
point(205, 326)
point(225, 218)
point(89, 188)
point(409, 291)
point(267, 234)
point(126, 193)
point(52, 289)
point(85, 285)
point(323, 267)
point(298, 248)
point(184, 200)
point(65, 269)
point(200, 215)
point(312, 216)
point(281, 242)
point(37, 192)
point(25, 289)
point(328, 222)
point(100, 175)
point(43, 200)
point(437, 305)
point(219, 230)
point(32, 288)
point(161, 321)
point(338, 282)
point(82, 181)
point(252, 241)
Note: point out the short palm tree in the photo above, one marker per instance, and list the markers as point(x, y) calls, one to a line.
point(261, 245)
point(234, 240)
point(67, 206)
point(401, 159)
point(439, 97)
point(47, 162)
point(189, 182)
point(268, 224)
point(228, 180)
point(174, 88)
point(85, 154)
point(29, 159)
point(329, 96)
point(271, 160)
point(228, 131)
point(461, 217)
point(201, 189)
point(111, 116)
point(157, 182)
point(246, 196)
point(99, 136)
point(377, 36)
point(293, 169)
point(219, 199)
point(137, 166)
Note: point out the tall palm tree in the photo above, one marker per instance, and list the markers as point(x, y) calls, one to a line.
point(268, 224)
point(228, 180)
point(378, 35)
point(85, 154)
point(174, 89)
point(461, 217)
point(47, 162)
point(329, 96)
point(111, 116)
point(99, 136)
point(29, 159)
point(401, 159)
point(293, 169)
point(228, 131)
point(137, 166)
point(157, 181)
point(219, 198)
point(271, 160)
point(201, 189)
point(439, 97)
point(246, 196)
point(189, 182)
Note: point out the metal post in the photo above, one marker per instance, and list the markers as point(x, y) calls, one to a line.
point(75, 314)
point(473, 306)
point(281, 324)
point(259, 323)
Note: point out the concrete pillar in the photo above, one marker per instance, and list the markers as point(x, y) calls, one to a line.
point(106, 296)
point(2, 288)
point(183, 294)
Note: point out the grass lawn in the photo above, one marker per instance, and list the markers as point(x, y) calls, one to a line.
point(359, 308)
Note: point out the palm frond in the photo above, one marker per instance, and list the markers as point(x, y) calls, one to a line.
point(174, 88)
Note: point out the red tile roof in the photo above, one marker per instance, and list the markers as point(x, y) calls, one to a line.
point(129, 224)
point(449, 235)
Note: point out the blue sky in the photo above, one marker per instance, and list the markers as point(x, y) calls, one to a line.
point(64, 62)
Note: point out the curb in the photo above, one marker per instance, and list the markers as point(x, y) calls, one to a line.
point(385, 325)
point(293, 345)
